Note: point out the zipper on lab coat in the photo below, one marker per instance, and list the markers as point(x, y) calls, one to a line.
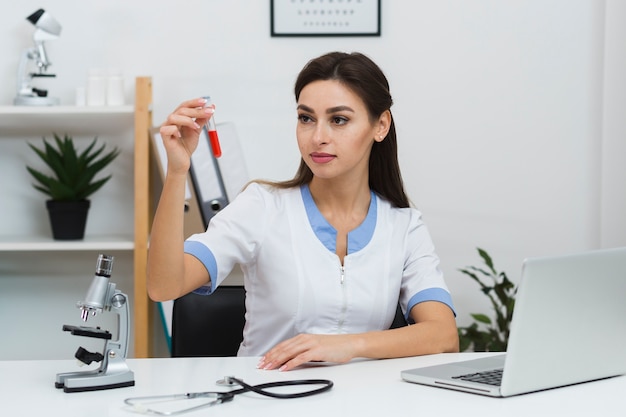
point(344, 298)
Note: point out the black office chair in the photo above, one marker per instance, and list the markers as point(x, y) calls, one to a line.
point(399, 320)
point(209, 325)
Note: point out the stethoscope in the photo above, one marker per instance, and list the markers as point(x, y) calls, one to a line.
point(142, 404)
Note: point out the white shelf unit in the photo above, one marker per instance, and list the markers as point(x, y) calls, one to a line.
point(20, 125)
point(31, 262)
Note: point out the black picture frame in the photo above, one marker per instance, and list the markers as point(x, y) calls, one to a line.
point(325, 18)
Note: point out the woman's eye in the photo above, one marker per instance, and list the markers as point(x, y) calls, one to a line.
point(340, 120)
point(303, 118)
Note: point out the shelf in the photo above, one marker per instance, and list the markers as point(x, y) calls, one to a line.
point(112, 124)
point(49, 119)
point(65, 110)
point(43, 243)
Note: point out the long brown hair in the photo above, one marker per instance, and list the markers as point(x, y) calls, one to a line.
point(364, 78)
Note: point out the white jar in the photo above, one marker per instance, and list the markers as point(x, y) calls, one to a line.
point(115, 88)
point(96, 87)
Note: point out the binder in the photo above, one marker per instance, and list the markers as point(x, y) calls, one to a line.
point(207, 180)
point(212, 182)
point(217, 181)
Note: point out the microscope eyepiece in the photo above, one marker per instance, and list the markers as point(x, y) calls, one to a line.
point(104, 266)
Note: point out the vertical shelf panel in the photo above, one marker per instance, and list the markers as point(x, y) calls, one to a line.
point(142, 307)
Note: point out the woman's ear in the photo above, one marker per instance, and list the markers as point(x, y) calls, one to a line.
point(384, 124)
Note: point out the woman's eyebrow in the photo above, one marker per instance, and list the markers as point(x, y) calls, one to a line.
point(328, 111)
point(338, 109)
point(305, 108)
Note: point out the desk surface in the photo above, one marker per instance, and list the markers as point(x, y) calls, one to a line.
point(364, 388)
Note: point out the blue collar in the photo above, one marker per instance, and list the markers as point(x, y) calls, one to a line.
point(357, 238)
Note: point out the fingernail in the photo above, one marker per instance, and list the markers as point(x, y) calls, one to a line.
point(209, 110)
point(268, 366)
point(203, 100)
point(282, 368)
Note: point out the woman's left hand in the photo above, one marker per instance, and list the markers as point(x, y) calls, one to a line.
point(309, 348)
point(434, 331)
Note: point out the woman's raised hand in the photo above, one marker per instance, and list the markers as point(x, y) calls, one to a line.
point(181, 131)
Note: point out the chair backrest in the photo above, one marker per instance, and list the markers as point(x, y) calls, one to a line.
point(399, 320)
point(209, 325)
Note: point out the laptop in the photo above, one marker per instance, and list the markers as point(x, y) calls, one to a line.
point(568, 327)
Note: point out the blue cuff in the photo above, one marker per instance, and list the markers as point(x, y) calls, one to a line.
point(430, 294)
point(204, 255)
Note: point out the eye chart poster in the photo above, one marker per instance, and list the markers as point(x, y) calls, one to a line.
point(325, 17)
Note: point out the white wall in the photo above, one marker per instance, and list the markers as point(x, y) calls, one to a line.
point(614, 127)
point(509, 114)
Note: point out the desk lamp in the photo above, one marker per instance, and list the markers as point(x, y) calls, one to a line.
point(27, 95)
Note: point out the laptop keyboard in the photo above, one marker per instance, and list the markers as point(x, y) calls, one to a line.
point(493, 377)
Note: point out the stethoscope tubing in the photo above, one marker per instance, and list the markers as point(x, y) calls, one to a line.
point(261, 388)
point(139, 404)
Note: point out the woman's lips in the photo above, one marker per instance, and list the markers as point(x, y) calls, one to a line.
point(321, 158)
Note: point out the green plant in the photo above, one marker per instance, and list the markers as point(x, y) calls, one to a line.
point(486, 334)
point(74, 173)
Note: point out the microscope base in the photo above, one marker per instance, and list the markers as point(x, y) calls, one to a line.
point(35, 101)
point(116, 375)
point(94, 388)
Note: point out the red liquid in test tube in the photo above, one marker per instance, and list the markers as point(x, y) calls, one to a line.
point(211, 129)
point(215, 143)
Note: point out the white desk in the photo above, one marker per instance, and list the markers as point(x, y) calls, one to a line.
point(362, 388)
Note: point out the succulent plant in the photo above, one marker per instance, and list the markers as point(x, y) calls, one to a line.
point(74, 173)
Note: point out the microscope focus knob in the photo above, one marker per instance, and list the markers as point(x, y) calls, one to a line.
point(118, 300)
point(40, 92)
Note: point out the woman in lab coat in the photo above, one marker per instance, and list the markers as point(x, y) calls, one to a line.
point(328, 255)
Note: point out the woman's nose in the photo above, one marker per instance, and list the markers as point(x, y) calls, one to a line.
point(320, 135)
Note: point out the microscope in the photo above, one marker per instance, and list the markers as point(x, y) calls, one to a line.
point(27, 95)
point(113, 372)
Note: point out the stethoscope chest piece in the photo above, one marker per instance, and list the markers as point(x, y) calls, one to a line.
point(226, 382)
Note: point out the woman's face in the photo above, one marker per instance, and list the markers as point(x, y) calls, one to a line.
point(335, 133)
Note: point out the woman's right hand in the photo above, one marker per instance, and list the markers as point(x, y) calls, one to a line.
point(181, 131)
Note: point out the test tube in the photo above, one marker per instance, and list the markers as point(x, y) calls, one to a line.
point(212, 132)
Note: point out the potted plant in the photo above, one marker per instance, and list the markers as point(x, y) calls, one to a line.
point(485, 334)
point(72, 182)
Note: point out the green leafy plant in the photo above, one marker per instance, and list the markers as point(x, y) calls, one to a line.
point(74, 173)
point(485, 334)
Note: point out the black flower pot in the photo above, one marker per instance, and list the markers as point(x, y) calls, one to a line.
point(68, 218)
